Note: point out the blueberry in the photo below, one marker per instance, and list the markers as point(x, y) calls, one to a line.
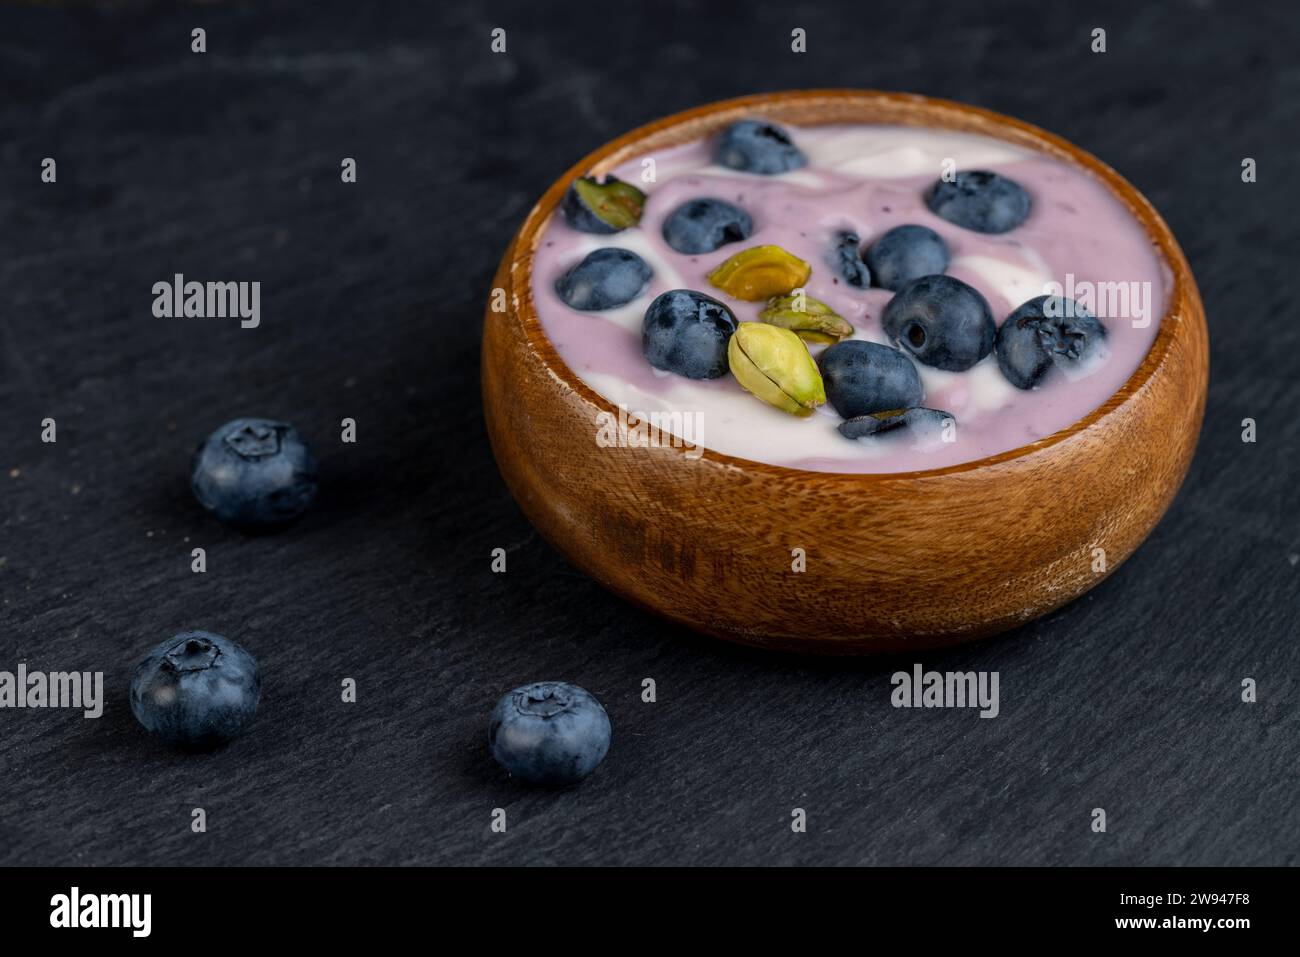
point(863, 377)
point(1047, 332)
point(702, 225)
point(920, 422)
point(686, 332)
point(846, 260)
point(906, 253)
point(606, 278)
point(254, 472)
point(609, 207)
point(753, 146)
point(196, 690)
point(549, 733)
point(979, 200)
point(941, 321)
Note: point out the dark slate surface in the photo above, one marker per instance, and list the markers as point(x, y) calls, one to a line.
point(225, 166)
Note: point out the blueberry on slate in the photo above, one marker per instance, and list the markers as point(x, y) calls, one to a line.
point(254, 472)
point(609, 207)
point(1045, 332)
point(754, 146)
point(846, 260)
point(196, 690)
point(918, 421)
point(702, 225)
point(862, 377)
point(604, 279)
point(549, 733)
point(941, 321)
point(906, 253)
point(979, 200)
point(686, 332)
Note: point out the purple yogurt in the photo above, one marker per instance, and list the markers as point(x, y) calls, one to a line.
point(868, 179)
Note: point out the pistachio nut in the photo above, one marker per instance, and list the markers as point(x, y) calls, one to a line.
point(808, 318)
point(774, 364)
point(760, 272)
point(606, 207)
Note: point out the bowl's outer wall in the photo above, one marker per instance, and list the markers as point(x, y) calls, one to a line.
point(893, 562)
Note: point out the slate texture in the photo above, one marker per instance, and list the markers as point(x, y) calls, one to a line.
point(226, 166)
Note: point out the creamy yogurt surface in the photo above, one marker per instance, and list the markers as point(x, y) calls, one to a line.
point(868, 179)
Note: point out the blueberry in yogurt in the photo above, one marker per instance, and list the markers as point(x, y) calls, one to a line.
point(606, 278)
point(864, 377)
point(905, 253)
point(818, 233)
point(196, 690)
point(549, 733)
point(254, 472)
point(979, 200)
point(687, 332)
point(609, 207)
point(754, 146)
point(702, 225)
point(1045, 333)
point(941, 322)
point(846, 259)
point(919, 422)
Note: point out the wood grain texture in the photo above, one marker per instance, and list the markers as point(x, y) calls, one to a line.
point(900, 561)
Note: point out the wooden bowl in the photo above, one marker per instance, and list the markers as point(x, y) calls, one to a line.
point(894, 561)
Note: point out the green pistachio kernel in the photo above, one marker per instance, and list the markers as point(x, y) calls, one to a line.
point(774, 364)
point(810, 319)
point(616, 204)
point(760, 273)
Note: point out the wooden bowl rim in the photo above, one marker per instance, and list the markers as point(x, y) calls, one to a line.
point(934, 113)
